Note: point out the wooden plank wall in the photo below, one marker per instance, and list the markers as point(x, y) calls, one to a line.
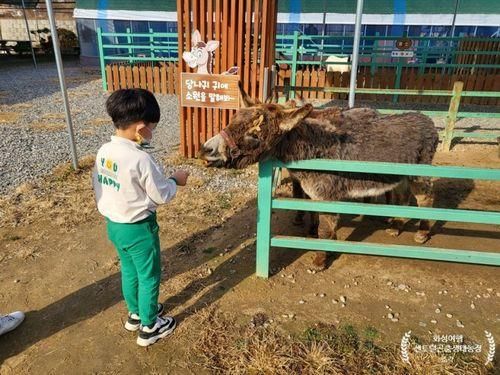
point(246, 30)
point(472, 45)
point(316, 79)
point(160, 79)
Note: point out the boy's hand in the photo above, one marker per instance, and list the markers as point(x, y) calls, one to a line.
point(181, 177)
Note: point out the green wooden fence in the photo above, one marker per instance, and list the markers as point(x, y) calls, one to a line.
point(299, 49)
point(266, 203)
point(428, 52)
point(135, 48)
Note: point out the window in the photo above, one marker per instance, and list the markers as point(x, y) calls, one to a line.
point(487, 31)
point(441, 31)
point(335, 30)
point(372, 30)
point(464, 30)
point(88, 37)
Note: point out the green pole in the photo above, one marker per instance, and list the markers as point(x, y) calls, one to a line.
point(264, 201)
point(101, 59)
point(451, 118)
point(373, 62)
point(397, 83)
point(295, 51)
point(129, 42)
point(151, 42)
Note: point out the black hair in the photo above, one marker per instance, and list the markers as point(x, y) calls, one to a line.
point(128, 106)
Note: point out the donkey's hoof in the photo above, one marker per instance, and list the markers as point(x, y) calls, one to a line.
point(319, 263)
point(421, 237)
point(393, 232)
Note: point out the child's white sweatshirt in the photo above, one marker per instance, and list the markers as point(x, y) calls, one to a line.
point(128, 183)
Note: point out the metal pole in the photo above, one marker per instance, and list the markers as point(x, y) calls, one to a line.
point(29, 34)
point(62, 83)
point(453, 31)
point(355, 53)
point(454, 18)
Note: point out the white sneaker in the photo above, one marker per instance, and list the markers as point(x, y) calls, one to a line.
point(133, 322)
point(10, 321)
point(163, 327)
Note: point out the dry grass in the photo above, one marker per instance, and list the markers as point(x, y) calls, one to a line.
point(64, 197)
point(7, 117)
point(99, 121)
point(71, 80)
point(48, 125)
point(225, 347)
point(54, 116)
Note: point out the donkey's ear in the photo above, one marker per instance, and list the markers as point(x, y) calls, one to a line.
point(245, 100)
point(294, 116)
point(212, 45)
point(195, 38)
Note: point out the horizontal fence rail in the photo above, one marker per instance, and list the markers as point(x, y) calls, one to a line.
point(266, 203)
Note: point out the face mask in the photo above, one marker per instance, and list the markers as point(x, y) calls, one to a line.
point(143, 134)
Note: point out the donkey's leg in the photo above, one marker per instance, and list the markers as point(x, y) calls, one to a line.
point(421, 188)
point(399, 196)
point(327, 229)
point(297, 192)
point(314, 224)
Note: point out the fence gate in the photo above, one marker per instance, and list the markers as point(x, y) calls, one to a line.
point(246, 30)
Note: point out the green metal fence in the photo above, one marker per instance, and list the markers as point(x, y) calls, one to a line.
point(266, 203)
point(375, 51)
point(298, 49)
point(135, 48)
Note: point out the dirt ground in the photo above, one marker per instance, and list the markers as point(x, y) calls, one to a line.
point(62, 271)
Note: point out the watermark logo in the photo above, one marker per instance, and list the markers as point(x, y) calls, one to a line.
point(447, 344)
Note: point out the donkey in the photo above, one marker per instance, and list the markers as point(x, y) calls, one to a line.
point(261, 131)
point(362, 117)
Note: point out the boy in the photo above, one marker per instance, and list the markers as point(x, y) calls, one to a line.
point(129, 186)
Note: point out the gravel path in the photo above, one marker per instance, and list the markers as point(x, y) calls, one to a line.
point(32, 127)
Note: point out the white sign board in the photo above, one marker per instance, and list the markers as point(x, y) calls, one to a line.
point(402, 54)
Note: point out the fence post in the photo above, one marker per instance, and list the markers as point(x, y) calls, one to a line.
point(151, 42)
point(264, 198)
point(373, 60)
point(295, 52)
point(129, 42)
point(451, 118)
point(423, 63)
point(397, 83)
point(101, 59)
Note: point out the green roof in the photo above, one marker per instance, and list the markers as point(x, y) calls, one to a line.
point(387, 6)
point(318, 6)
point(144, 5)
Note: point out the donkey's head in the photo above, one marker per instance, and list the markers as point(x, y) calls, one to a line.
point(200, 54)
point(252, 133)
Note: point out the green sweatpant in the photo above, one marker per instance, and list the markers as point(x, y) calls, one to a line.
point(138, 247)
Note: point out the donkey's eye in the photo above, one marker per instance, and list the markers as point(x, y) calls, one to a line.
point(252, 140)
